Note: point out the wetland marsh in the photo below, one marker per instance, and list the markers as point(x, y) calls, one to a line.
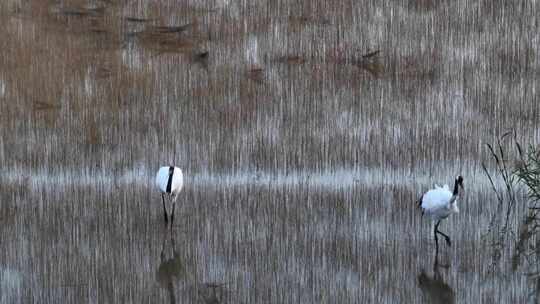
point(306, 131)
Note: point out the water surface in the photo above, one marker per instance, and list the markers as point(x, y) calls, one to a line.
point(304, 149)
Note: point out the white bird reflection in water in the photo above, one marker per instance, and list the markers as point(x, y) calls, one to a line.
point(435, 289)
point(170, 269)
point(173, 268)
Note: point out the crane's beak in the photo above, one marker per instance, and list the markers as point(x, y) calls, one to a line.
point(461, 185)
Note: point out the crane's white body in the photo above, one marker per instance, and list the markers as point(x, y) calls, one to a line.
point(162, 179)
point(439, 203)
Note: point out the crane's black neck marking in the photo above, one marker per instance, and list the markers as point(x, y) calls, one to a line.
point(169, 182)
point(420, 201)
point(455, 188)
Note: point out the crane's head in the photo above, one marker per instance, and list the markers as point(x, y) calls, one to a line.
point(459, 181)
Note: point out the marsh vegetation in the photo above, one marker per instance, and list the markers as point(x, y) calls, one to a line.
point(306, 131)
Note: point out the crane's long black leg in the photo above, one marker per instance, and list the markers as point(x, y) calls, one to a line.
point(162, 255)
point(436, 240)
point(446, 237)
point(173, 245)
point(173, 205)
point(164, 208)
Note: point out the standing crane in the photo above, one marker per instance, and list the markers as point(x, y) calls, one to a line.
point(438, 204)
point(169, 181)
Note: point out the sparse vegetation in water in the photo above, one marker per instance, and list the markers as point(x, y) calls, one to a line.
point(518, 171)
point(503, 183)
point(528, 241)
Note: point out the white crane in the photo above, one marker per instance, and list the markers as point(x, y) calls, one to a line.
point(438, 204)
point(169, 181)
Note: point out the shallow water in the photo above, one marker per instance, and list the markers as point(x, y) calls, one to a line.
point(265, 242)
point(303, 160)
